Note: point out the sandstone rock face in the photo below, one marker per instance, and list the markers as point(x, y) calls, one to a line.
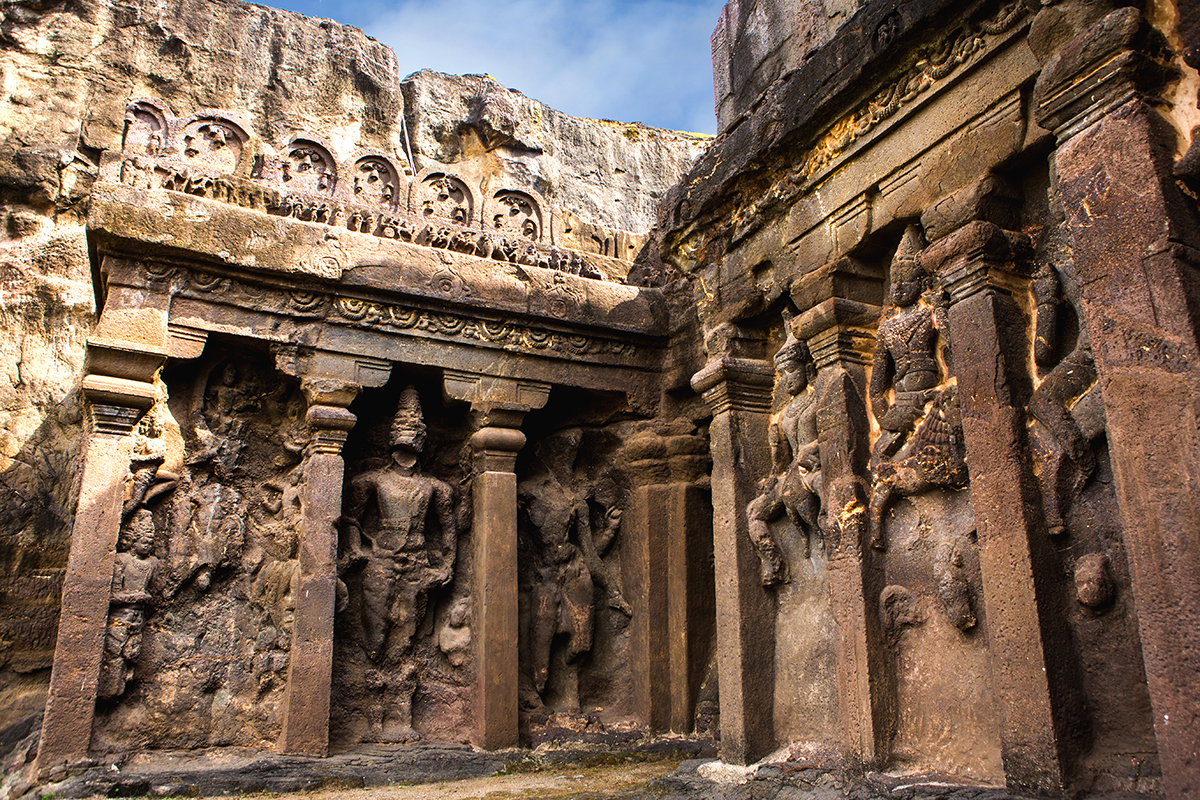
point(71, 68)
point(756, 42)
point(602, 178)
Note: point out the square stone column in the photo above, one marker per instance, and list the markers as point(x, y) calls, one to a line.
point(114, 406)
point(1037, 686)
point(306, 700)
point(500, 405)
point(666, 556)
point(840, 335)
point(1135, 239)
point(738, 390)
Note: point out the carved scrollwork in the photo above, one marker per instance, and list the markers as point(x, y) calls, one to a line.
point(306, 301)
point(445, 197)
point(208, 282)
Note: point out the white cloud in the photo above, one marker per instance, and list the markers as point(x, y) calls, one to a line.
point(632, 61)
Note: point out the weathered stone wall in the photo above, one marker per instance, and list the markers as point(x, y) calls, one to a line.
point(69, 71)
point(894, 200)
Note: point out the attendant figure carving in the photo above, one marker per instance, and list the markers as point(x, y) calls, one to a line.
point(794, 485)
point(920, 444)
point(133, 570)
point(569, 564)
point(1067, 402)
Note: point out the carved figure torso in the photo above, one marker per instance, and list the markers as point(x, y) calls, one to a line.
point(910, 339)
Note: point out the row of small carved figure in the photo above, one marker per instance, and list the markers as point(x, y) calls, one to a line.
point(142, 173)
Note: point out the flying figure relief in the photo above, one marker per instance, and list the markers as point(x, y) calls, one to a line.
point(794, 485)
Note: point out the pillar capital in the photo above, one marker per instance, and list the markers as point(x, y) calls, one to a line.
point(976, 257)
point(839, 332)
point(495, 448)
point(328, 418)
point(729, 383)
point(1096, 72)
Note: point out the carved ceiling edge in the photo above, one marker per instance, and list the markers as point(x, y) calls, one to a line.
point(935, 67)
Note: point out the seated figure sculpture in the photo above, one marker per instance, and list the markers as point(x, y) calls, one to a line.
point(387, 521)
point(794, 485)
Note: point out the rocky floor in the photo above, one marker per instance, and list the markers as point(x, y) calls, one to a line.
point(620, 767)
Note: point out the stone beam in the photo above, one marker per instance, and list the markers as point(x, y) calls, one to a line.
point(1134, 239)
point(738, 391)
point(499, 405)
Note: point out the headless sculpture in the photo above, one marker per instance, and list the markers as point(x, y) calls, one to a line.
point(133, 570)
point(569, 563)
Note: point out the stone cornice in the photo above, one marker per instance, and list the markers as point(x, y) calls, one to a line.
point(220, 243)
point(800, 102)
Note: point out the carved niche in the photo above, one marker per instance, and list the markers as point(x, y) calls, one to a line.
point(376, 182)
point(445, 197)
point(516, 214)
point(308, 168)
point(214, 144)
point(145, 129)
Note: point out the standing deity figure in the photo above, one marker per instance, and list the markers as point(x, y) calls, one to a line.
point(396, 504)
point(569, 563)
point(133, 570)
point(920, 443)
point(794, 485)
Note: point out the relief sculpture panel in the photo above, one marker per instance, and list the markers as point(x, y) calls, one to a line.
point(921, 522)
point(402, 658)
point(212, 536)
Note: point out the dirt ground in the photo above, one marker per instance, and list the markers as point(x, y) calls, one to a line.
point(554, 781)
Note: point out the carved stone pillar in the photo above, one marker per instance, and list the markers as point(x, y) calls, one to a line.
point(1029, 642)
point(499, 405)
point(738, 390)
point(115, 404)
point(666, 555)
point(1134, 245)
point(310, 663)
point(840, 335)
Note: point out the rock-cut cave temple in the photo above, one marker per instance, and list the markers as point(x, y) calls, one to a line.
point(339, 407)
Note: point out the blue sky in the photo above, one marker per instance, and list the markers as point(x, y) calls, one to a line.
point(629, 60)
